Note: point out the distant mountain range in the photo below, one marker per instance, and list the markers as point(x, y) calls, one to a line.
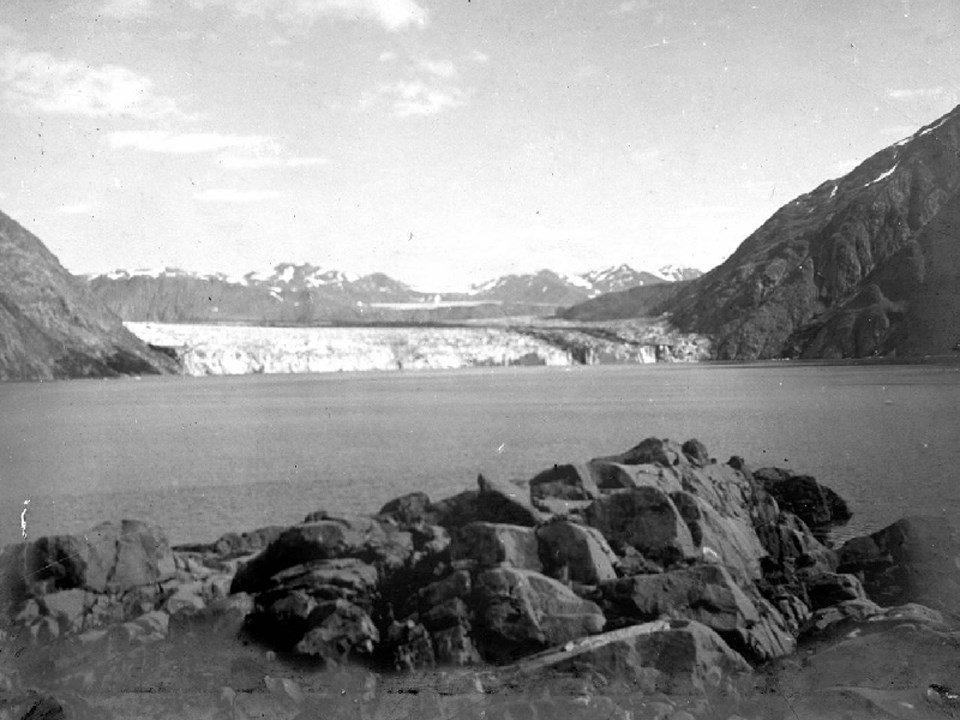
point(864, 265)
point(305, 293)
point(51, 326)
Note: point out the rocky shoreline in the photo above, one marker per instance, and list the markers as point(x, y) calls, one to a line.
point(654, 583)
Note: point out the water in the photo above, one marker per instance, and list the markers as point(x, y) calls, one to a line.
point(201, 456)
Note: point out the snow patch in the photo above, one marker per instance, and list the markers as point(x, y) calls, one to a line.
point(577, 281)
point(882, 176)
point(931, 128)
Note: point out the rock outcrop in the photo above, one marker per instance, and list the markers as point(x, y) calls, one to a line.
point(913, 560)
point(670, 583)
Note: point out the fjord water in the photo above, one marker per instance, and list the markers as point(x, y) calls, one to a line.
point(202, 456)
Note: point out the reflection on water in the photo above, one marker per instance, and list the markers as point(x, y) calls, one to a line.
point(201, 456)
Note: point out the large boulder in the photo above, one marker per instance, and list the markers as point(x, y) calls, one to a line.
point(564, 482)
point(644, 518)
point(652, 451)
point(378, 543)
point(912, 560)
point(576, 553)
point(521, 611)
point(407, 510)
point(730, 540)
point(826, 589)
point(705, 593)
point(233, 544)
point(112, 557)
point(678, 658)
point(791, 547)
point(319, 608)
point(817, 505)
point(493, 543)
point(437, 625)
point(709, 595)
point(493, 502)
point(611, 475)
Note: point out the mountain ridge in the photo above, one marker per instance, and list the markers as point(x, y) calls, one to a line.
point(304, 293)
point(52, 327)
point(863, 265)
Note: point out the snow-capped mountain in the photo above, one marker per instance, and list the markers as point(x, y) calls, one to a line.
point(678, 273)
point(621, 277)
point(547, 286)
point(299, 293)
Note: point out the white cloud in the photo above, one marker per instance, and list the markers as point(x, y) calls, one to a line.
point(418, 98)
point(237, 152)
point(387, 56)
point(160, 141)
point(228, 195)
point(296, 162)
point(78, 208)
point(478, 57)
point(241, 162)
point(41, 82)
point(440, 68)
point(391, 14)
point(908, 93)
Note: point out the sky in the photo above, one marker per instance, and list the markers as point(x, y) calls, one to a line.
point(446, 142)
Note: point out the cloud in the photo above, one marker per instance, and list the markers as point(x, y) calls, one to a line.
point(41, 82)
point(387, 56)
point(440, 68)
point(228, 195)
point(79, 208)
point(909, 93)
point(241, 162)
point(237, 152)
point(418, 98)
point(160, 141)
point(391, 14)
point(478, 57)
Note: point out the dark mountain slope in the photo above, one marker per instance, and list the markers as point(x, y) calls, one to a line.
point(864, 265)
point(636, 302)
point(50, 324)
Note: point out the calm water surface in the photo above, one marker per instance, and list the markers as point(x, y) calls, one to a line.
point(201, 456)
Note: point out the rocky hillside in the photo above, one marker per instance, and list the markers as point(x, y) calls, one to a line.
point(865, 265)
point(643, 301)
point(306, 294)
point(50, 324)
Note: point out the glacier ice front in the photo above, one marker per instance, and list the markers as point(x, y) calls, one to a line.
point(238, 350)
